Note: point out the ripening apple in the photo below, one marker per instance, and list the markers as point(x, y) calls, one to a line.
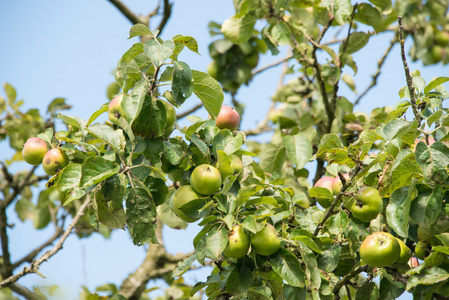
point(185, 194)
point(171, 117)
point(34, 150)
point(115, 110)
point(238, 243)
point(367, 205)
point(266, 241)
point(405, 254)
point(54, 161)
point(380, 249)
point(337, 184)
point(325, 182)
point(228, 118)
point(206, 179)
point(442, 38)
point(422, 250)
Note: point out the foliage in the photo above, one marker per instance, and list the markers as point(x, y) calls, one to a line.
point(127, 176)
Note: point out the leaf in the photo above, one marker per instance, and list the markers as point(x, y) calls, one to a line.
point(114, 218)
point(299, 149)
point(68, 184)
point(141, 216)
point(216, 241)
point(183, 266)
point(132, 103)
point(169, 218)
point(435, 83)
point(141, 29)
point(182, 83)
point(427, 206)
point(287, 265)
point(108, 135)
point(97, 169)
point(357, 40)
point(74, 121)
point(209, 91)
point(320, 192)
point(434, 117)
point(338, 223)
point(240, 279)
point(328, 259)
point(11, 93)
point(399, 208)
point(97, 113)
point(238, 30)
point(368, 291)
point(427, 276)
point(157, 52)
point(368, 15)
point(188, 41)
point(433, 160)
point(312, 271)
point(272, 158)
point(234, 144)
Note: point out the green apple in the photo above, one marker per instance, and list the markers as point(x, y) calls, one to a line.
point(184, 195)
point(54, 161)
point(442, 38)
point(115, 110)
point(367, 205)
point(238, 243)
point(422, 250)
point(171, 117)
point(266, 241)
point(405, 254)
point(206, 179)
point(380, 249)
point(34, 150)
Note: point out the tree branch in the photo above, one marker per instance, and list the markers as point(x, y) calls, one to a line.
point(346, 279)
point(380, 63)
point(34, 268)
point(411, 87)
point(271, 65)
point(165, 15)
point(21, 290)
point(188, 112)
point(133, 18)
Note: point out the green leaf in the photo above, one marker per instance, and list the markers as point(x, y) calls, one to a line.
point(216, 241)
point(183, 266)
point(427, 276)
point(328, 259)
point(312, 271)
point(74, 121)
point(187, 41)
point(68, 184)
point(114, 188)
point(108, 135)
point(433, 160)
point(238, 30)
point(308, 241)
point(140, 29)
point(240, 279)
point(299, 149)
point(209, 91)
point(97, 169)
point(175, 152)
point(158, 52)
point(444, 238)
point(169, 218)
point(246, 192)
point(320, 192)
point(97, 113)
point(434, 117)
point(287, 265)
point(108, 216)
point(57, 104)
point(281, 33)
point(11, 93)
point(234, 144)
point(399, 208)
point(182, 83)
point(141, 216)
point(427, 206)
point(401, 174)
point(368, 291)
point(132, 103)
point(357, 40)
point(435, 83)
point(338, 223)
point(272, 158)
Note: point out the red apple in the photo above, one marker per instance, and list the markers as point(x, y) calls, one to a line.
point(115, 110)
point(228, 118)
point(34, 150)
point(54, 161)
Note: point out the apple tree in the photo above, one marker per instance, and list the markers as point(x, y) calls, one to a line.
point(372, 221)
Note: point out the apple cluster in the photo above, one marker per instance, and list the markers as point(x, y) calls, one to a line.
point(35, 151)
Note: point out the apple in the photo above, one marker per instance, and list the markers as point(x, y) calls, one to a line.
point(236, 164)
point(115, 110)
point(238, 243)
point(251, 60)
point(206, 179)
point(228, 118)
point(405, 254)
point(34, 150)
point(337, 184)
point(380, 249)
point(325, 182)
point(367, 205)
point(437, 53)
point(54, 161)
point(112, 90)
point(442, 38)
point(266, 241)
point(185, 194)
point(213, 69)
point(171, 117)
point(422, 250)
point(413, 262)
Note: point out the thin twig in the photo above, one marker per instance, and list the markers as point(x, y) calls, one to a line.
point(34, 268)
point(188, 112)
point(21, 290)
point(271, 65)
point(346, 279)
point(18, 188)
point(375, 76)
point(133, 18)
point(408, 76)
point(165, 15)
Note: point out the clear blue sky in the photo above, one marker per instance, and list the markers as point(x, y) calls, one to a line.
point(68, 49)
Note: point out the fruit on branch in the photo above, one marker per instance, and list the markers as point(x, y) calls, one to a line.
point(115, 110)
point(442, 38)
point(422, 250)
point(228, 118)
point(367, 205)
point(54, 161)
point(206, 179)
point(325, 182)
point(405, 254)
point(112, 90)
point(380, 249)
point(337, 184)
point(437, 53)
point(179, 203)
point(238, 243)
point(266, 241)
point(236, 164)
point(34, 150)
point(171, 118)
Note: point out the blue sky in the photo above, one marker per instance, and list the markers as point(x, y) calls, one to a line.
point(68, 49)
